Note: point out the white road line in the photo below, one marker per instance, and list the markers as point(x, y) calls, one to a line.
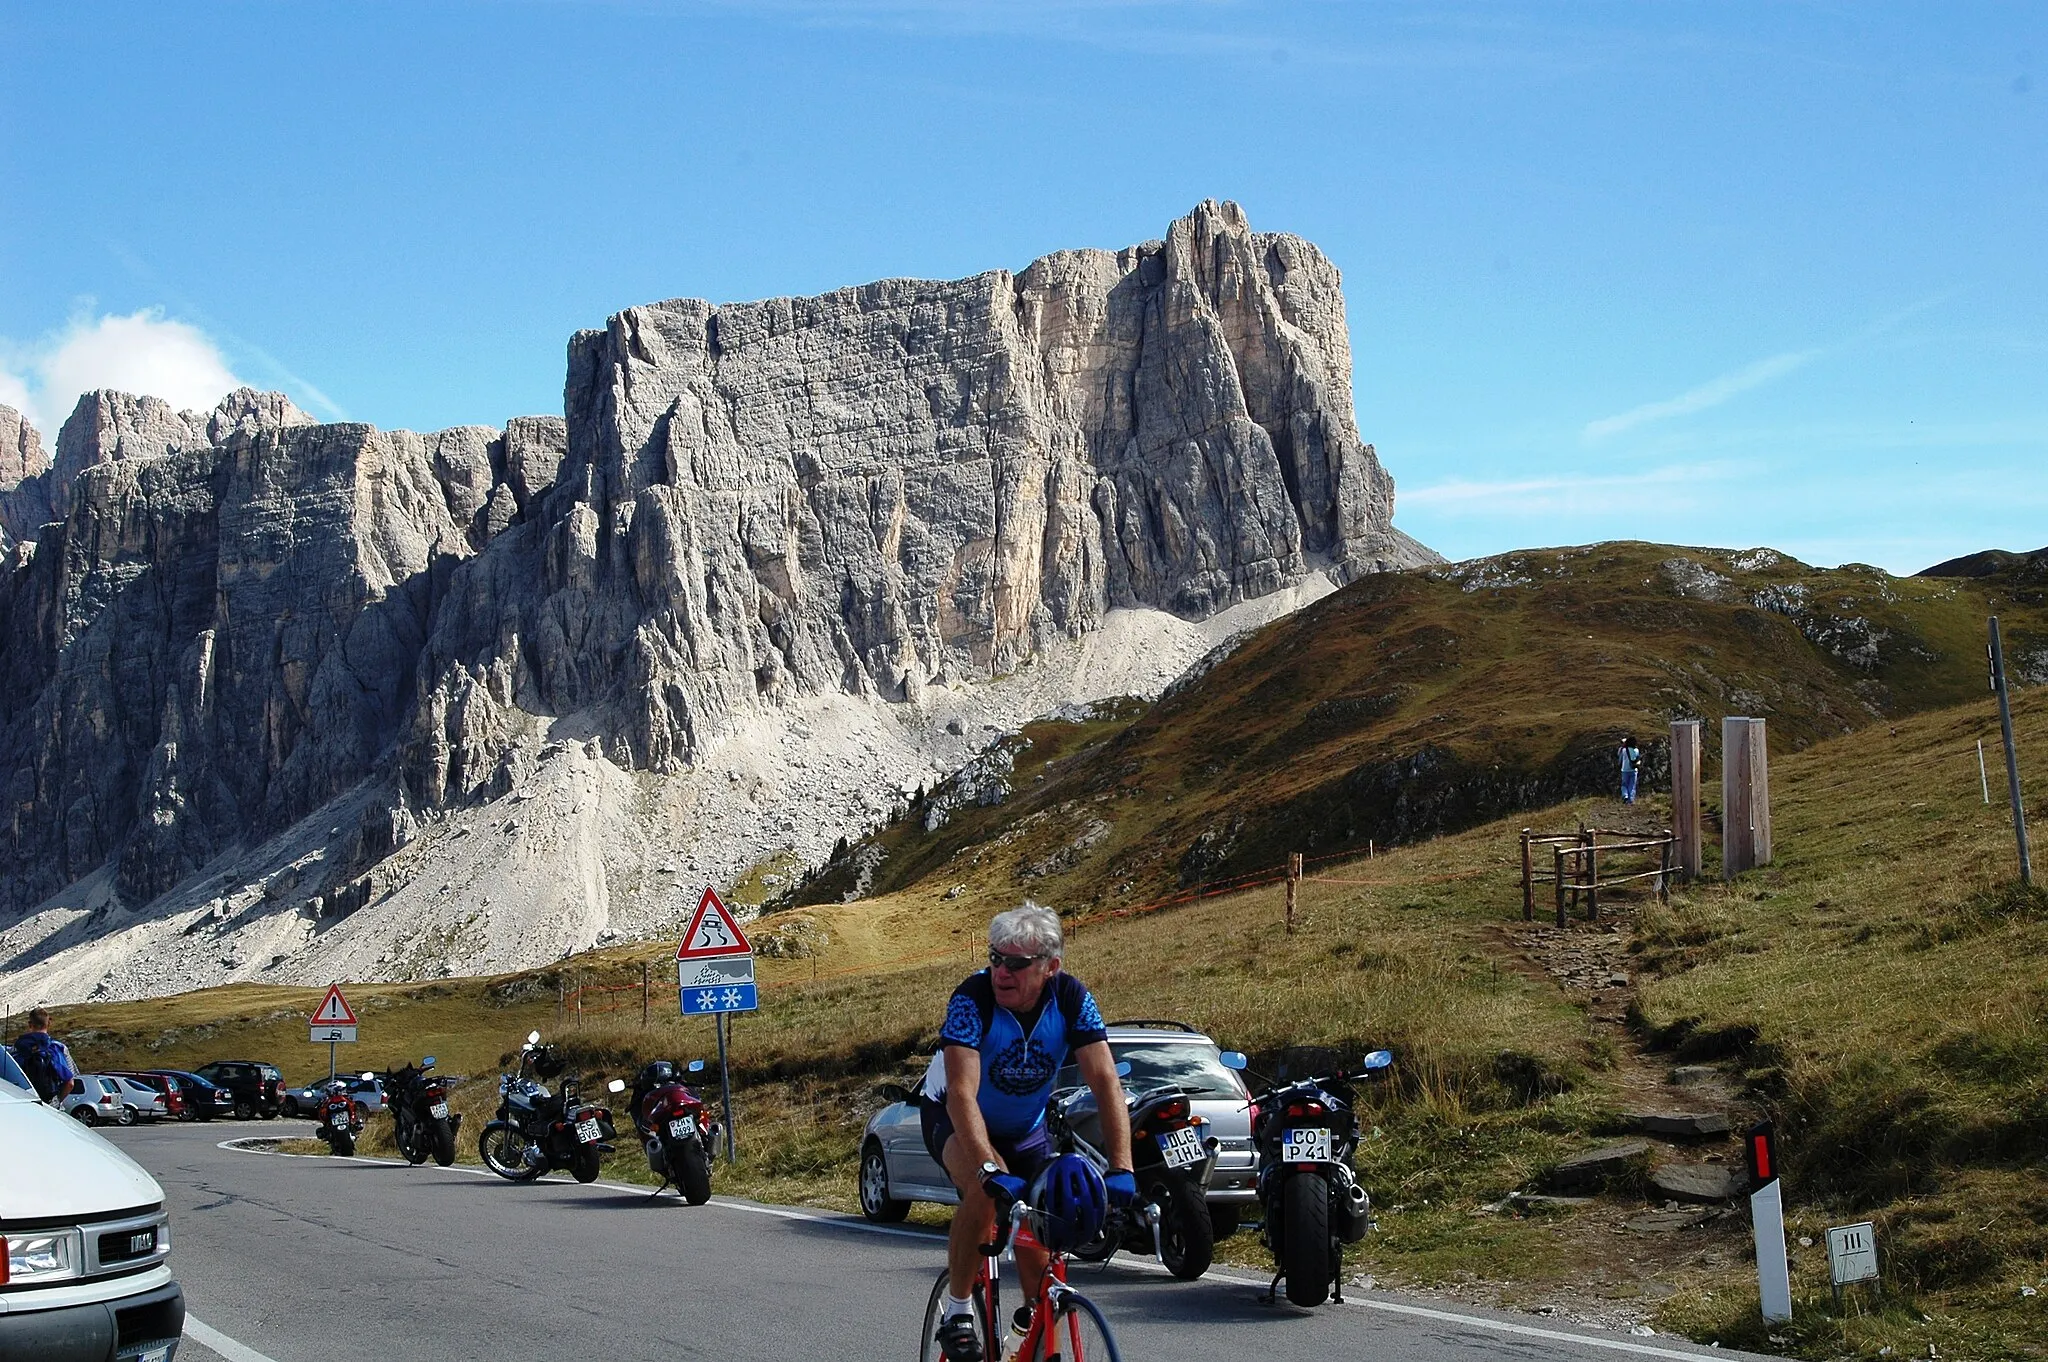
point(213, 1338)
point(847, 1222)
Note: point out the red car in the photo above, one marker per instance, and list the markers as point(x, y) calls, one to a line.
point(175, 1105)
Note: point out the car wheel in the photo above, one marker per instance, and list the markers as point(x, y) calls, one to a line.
point(86, 1114)
point(126, 1117)
point(244, 1112)
point(1222, 1220)
point(875, 1202)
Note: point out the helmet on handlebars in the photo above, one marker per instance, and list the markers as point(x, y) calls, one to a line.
point(657, 1072)
point(1072, 1202)
point(548, 1062)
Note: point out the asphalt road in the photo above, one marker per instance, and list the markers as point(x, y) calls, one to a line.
point(296, 1259)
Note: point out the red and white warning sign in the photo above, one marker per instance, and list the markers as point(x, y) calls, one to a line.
point(713, 930)
point(334, 1009)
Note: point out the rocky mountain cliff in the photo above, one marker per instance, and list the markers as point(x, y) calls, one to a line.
point(266, 680)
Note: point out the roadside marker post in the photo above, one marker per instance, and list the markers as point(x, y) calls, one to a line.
point(1852, 1256)
point(2012, 758)
point(714, 976)
point(1767, 1223)
point(333, 1023)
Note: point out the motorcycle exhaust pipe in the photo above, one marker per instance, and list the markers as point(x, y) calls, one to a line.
point(656, 1159)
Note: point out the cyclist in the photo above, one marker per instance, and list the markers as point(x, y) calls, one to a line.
point(1008, 1030)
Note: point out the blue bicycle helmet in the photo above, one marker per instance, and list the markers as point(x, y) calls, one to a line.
point(1072, 1203)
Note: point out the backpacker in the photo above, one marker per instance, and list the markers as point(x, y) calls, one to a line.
point(40, 1065)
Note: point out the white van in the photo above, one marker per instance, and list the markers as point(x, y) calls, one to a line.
point(83, 1239)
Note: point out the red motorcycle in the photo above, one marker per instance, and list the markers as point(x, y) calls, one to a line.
point(674, 1130)
point(340, 1116)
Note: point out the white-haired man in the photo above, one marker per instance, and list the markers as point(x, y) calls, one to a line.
point(1008, 1030)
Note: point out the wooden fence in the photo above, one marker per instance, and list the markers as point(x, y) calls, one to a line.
point(1575, 866)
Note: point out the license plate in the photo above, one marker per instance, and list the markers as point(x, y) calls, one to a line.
point(156, 1354)
point(683, 1127)
point(1305, 1146)
point(438, 1111)
point(1181, 1147)
point(339, 1120)
point(587, 1131)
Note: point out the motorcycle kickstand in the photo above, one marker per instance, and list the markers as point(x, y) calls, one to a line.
point(1272, 1295)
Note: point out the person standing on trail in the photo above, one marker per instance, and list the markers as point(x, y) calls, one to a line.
point(1631, 762)
point(1008, 1030)
point(43, 1058)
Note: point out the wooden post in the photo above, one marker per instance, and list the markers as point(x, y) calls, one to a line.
point(1557, 863)
point(1664, 866)
point(1759, 793)
point(579, 1002)
point(561, 997)
point(2012, 755)
point(1528, 888)
point(1293, 885)
point(643, 994)
point(1685, 796)
point(1592, 876)
point(1738, 833)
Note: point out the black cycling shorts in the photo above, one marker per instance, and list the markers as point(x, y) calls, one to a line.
point(1025, 1155)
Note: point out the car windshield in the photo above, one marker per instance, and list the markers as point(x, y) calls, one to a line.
point(1194, 1067)
point(10, 1072)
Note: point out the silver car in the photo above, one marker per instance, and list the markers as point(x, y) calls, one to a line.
point(103, 1099)
point(896, 1169)
point(367, 1092)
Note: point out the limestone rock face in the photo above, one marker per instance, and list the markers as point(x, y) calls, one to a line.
point(220, 632)
point(21, 449)
point(906, 484)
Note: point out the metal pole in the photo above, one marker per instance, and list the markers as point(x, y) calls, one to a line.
point(1983, 776)
point(330, 1061)
point(725, 1092)
point(2012, 757)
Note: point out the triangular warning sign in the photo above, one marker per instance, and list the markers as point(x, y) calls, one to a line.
point(713, 931)
point(334, 1009)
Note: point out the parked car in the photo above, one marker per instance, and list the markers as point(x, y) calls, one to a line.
point(86, 1241)
point(368, 1093)
point(148, 1102)
point(173, 1101)
point(203, 1101)
point(98, 1100)
point(257, 1088)
point(896, 1170)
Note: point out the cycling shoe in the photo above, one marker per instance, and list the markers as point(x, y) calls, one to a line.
point(957, 1340)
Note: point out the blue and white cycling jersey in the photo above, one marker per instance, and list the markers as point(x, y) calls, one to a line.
point(1019, 1054)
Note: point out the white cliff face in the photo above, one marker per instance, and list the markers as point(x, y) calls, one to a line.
point(283, 701)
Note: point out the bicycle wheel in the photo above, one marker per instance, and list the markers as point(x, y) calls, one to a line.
point(928, 1338)
point(1079, 1333)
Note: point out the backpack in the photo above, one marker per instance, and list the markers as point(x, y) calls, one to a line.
point(40, 1066)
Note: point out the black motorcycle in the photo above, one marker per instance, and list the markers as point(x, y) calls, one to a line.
point(1305, 1132)
point(1172, 1155)
point(422, 1124)
point(537, 1130)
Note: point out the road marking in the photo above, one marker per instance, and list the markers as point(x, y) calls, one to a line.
point(213, 1338)
point(848, 1222)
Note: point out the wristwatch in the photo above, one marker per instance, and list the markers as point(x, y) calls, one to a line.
point(989, 1169)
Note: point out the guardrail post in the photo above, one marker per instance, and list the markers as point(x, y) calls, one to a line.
point(1528, 888)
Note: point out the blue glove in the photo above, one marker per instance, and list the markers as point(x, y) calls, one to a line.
point(1123, 1186)
point(1005, 1187)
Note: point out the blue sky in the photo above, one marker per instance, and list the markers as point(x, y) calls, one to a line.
point(1714, 273)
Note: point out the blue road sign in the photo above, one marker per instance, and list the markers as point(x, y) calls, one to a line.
point(719, 998)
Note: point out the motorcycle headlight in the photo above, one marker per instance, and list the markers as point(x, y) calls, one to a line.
point(44, 1256)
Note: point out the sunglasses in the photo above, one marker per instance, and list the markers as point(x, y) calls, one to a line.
point(1015, 964)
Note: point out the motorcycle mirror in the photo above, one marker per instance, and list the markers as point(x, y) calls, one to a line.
point(1123, 1068)
point(427, 1063)
point(1378, 1059)
point(1234, 1059)
point(696, 1066)
point(369, 1077)
point(533, 1037)
point(616, 1085)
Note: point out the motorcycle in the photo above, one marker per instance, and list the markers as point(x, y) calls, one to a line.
point(673, 1129)
point(1172, 1155)
point(340, 1117)
point(1305, 1132)
point(422, 1124)
point(537, 1130)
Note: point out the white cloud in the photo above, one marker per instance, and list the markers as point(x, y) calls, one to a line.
point(1709, 394)
point(1552, 495)
point(144, 352)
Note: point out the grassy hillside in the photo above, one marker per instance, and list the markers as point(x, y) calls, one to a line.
point(1415, 703)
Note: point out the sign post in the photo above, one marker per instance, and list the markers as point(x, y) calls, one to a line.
point(1767, 1223)
point(333, 1023)
point(714, 976)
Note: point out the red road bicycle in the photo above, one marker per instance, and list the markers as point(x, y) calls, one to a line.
point(1065, 1325)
